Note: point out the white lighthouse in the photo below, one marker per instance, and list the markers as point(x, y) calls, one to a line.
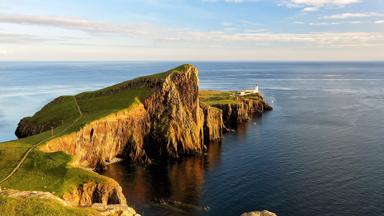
point(256, 89)
point(251, 91)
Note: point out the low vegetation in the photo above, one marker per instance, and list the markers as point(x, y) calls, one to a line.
point(42, 207)
point(217, 97)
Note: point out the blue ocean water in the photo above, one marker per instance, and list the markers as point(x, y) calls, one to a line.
point(320, 152)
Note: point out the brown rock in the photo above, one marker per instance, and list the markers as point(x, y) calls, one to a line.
point(107, 193)
point(259, 213)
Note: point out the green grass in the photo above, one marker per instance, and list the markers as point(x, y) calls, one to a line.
point(224, 97)
point(62, 108)
point(50, 172)
point(41, 207)
point(217, 97)
point(94, 107)
point(10, 154)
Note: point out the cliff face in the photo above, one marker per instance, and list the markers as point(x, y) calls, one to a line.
point(242, 111)
point(170, 122)
point(213, 122)
point(97, 143)
point(175, 116)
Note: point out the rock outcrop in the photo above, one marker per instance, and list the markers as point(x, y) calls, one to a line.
point(106, 209)
point(170, 122)
point(176, 118)
point(259, 213)
point(28, 126)
point(107, 192)
point(242, 111)
point(213, 122)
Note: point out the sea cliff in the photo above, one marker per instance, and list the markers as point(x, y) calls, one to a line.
point(172, 120)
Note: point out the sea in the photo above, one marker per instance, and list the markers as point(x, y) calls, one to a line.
point(320, 152)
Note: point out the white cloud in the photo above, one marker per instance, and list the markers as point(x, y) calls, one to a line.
point(10, 38)
point(353, 15)
point(310, 9)
point(313, 5)
point(323, 23)
point(379, 22)
point(72, 23)
point(176, 37)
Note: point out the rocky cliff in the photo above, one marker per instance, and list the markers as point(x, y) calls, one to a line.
point(170, 121)
point(243, 110)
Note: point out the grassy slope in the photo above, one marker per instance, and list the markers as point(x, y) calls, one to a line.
point(223, 97)
point(34, 206)
point(217, 97)
point(50, 171)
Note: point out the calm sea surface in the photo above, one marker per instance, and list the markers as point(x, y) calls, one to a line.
point(319, 153)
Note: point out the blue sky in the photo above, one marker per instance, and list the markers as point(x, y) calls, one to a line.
point(257, 30)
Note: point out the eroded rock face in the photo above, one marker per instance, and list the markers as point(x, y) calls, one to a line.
point(175, 116)
point(242, 111)
point(119, 134)
point(108, 192)
point(213, 123)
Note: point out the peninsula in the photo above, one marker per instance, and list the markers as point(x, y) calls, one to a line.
point(161, 116)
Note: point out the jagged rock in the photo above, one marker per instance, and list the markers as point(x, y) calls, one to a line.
point(242, 111)
point(213, 123)
point(175, 116)
point(259, 213)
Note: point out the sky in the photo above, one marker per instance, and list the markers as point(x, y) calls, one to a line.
point(194, 30)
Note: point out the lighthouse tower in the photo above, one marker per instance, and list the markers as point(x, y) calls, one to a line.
point(256, 89)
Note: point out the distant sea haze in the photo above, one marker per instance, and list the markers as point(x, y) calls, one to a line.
point(320, 152)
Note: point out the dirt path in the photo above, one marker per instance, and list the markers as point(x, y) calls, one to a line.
point(44, 140)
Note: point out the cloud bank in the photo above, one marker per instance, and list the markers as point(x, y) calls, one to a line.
point(353, 15)
point(184, 35)
point(313, 5)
